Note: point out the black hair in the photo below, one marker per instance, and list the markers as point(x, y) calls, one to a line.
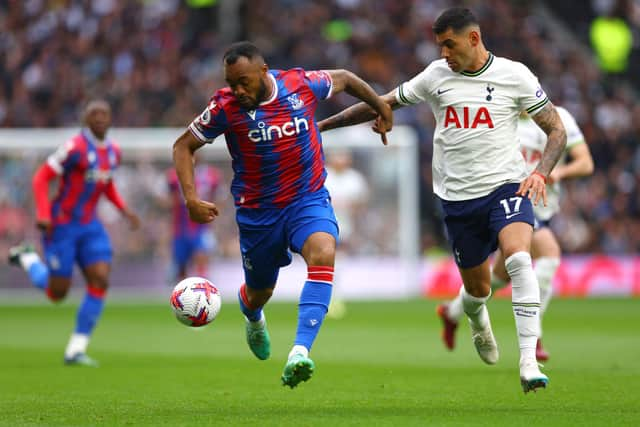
point(456, 18)
point(244, 48)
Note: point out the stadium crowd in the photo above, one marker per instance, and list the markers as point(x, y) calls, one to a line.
point(157, 65)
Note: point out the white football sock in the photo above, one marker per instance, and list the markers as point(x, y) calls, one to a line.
point(525, 297)
point(476, 309)
point(258, 324)
point(77, 344)
point(299, 349)
point(28, 259)
point(545, 269)
point(454, 307)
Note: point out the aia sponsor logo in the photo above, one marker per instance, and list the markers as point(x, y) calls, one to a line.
point(467, 119)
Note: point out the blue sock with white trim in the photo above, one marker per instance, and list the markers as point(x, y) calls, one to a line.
point(314, 303)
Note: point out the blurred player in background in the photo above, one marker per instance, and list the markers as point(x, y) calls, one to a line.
point(71, 232)
point(480, 175)
point(545, 249)
point(267, 117)
point(349, 195)
point(193, 243)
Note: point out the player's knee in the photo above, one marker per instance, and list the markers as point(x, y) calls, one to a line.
point(99, 282)
point(516, 247)
point(322, 254)
point(56, 294)
point(478, 289)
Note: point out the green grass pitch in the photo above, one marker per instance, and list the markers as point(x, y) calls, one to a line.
point(383, 364)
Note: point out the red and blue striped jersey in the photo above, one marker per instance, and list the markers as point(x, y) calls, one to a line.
point(206, 179)
point(276, 149)
point(86, 168)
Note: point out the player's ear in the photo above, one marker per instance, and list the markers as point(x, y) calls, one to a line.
point(474, 37)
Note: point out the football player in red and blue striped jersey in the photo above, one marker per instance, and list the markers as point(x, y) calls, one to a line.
point(71, 231)
point(192, 242)
point(267, 119)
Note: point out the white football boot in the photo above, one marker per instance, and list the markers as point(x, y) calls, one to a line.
point(485, 344)
point(530, 376)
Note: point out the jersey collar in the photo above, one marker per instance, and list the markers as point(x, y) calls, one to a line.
point(481, 70)
point(274, 95)
point(92, 138)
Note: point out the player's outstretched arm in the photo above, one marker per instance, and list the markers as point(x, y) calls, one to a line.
point(373, 106)
point(581, 164)
point(40, 187)
point(200, 211)
point(535, 185)
point(356, 114)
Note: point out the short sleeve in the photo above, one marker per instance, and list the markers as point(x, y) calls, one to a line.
point(65, 158)
point(531, 96)
point(117, 152)
point(320, 83)
point(415, 90)
point(211, 123)
point(574, 134)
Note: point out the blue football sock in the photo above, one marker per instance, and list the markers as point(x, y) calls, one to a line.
point(39, 275)
point(314, 302)
point(90, 311)
point(252, 314)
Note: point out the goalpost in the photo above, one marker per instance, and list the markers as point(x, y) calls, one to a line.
point(384, 264)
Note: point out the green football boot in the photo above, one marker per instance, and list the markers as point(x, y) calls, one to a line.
point(258, 340)
point(299, 368)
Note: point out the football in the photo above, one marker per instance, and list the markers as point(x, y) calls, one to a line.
point(195, 301)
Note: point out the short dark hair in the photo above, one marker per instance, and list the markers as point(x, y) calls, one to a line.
point(456, 18)
point(243, 48)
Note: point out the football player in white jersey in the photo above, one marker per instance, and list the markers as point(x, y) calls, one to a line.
point(480, 175)
point(544, 246)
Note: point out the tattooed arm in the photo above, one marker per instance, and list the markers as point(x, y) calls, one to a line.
point(358, 113)
point(549, 121)
point(535, 186)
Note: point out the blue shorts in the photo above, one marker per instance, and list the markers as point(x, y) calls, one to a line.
point(266, 235)
point(184, 247)
point(473, 225)
point(85, 244)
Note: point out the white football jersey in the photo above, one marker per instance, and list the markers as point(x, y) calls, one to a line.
point(475, 145)
point(533, 140)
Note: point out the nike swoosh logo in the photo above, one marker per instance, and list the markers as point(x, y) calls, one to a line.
point(512, 215)
point(440, 91)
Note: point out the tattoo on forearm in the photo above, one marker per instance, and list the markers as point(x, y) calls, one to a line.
point(549, 121)
point(353, 115)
